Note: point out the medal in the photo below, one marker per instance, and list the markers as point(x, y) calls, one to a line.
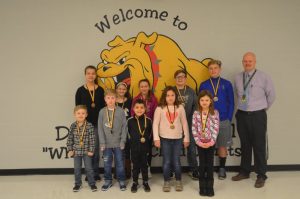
point(143, 140)
point(182, 100)
point(172, 126)
point(244, 98)
point(93, 105)
point(215, 89)
point(110, 121)
point(81, 134)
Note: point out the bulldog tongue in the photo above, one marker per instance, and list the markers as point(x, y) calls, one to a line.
point(127, 81)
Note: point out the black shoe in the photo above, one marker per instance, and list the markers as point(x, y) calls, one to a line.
point(97, 178)
point(134, 187)
point(94, 188)
point(146, 187)
point(76, 188)
point(222, 174)
point(106, 186)
point(122, 185)
point(202, 187)
point(210, 188)
point(195, 175)
point(86, 179)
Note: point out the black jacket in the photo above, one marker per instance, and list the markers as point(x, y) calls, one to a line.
point(135, 136)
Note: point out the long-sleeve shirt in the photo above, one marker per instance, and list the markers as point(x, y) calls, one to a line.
point(151, 105)
point(162, 122)
point(189, 102)
point(212, 127)
point(225, 103)
point(73, 142)
point(261, 91)
point(83, 97)
point(116, 136)
point(134, 134)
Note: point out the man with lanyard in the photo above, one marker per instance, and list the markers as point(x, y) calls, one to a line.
point(223, 98)
point(255, 94)
point(188, 99)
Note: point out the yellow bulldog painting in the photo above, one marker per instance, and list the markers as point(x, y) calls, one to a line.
point(155, 57)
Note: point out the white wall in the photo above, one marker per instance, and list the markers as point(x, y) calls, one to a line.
point(46, 44)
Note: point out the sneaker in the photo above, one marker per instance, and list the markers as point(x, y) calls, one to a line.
point(106, 186)
point(222, 174)
point(122, 186)
point(178, 186)
point(149, 173)
point(146, 187)
point(97, 178)
point(239, 177)
point(76, 188)
point(195, 175)
point(94, 188)
point(166, 187)
point(134, 187)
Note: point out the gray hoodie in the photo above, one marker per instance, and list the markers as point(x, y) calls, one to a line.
point(115, 137)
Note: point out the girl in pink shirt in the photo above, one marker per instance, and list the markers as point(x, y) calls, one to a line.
point(205, 128)
point(170, 130)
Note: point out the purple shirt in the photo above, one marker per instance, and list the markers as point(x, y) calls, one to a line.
point(260, 89)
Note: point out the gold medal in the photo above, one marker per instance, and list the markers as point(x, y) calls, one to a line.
point(172, 126)
point(244, 98)
point(182, 98)
point(93, 105)
point(110, 121)
point(216, 99)
point(81, 134)
point(143, 140)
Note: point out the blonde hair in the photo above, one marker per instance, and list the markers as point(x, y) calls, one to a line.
point(110, 92)
point(214, 61)
point(78, 107)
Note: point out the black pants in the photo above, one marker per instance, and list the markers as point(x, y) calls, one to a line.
point(149, 158)
point(139, 161)
point(252, 128)
point(206, 162)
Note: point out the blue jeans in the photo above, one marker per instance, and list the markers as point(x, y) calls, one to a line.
point(108, 155)
point(171, 149)
point(96, 156)
point(88, 169)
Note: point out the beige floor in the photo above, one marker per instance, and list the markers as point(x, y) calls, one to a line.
point(280, 185)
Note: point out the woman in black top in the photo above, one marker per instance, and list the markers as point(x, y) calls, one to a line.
point(92, 95)
point(124, 101)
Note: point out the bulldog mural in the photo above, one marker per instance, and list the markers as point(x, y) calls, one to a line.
point(155, 57)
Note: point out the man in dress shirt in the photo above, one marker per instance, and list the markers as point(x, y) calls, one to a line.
point(255, 95)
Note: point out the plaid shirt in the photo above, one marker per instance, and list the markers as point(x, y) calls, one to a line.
point(73, 142)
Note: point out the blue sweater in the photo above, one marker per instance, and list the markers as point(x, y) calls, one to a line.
point(225, 103)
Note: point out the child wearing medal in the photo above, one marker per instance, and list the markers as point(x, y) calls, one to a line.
point(170, 131)
point(205, 128)
point(92, 96)
point(188, 98)
point(224, 103)
point(112, 127)
point(139, 131)
point(151, 103)
point(81, 146)
point(124, 101)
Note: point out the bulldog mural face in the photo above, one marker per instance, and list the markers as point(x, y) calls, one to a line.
point(155, 57)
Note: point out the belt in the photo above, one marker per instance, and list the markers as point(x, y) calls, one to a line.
point(251, 112)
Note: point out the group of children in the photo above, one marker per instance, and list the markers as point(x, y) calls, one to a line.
point(126, 130)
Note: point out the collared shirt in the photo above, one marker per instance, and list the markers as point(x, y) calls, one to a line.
point(225, 103)
point(261, 92)
point(73, 143)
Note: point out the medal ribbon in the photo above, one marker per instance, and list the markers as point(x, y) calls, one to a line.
point(110, 121)
point(91, 94)
point(82, 133)
point(145, 125)
point(182, 100)
point(205, 122)
point(213, 86)
point(174, 113)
